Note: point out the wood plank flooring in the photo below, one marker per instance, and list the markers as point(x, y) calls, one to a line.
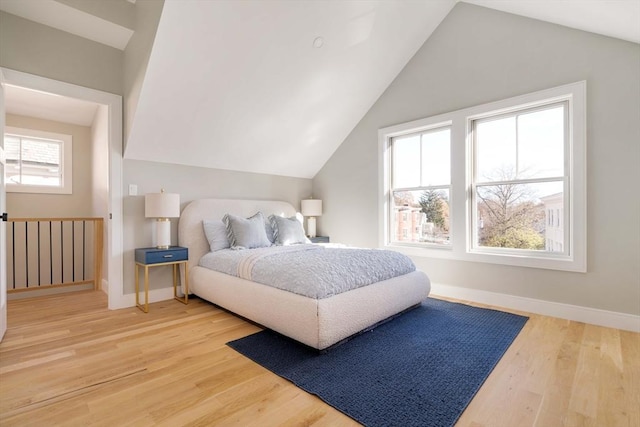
point(67, 360)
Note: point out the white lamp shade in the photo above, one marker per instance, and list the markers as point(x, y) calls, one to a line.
point(162, 205)
point(311, 207)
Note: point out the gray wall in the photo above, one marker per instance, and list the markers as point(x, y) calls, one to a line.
point(476, 56)
point(44, 51)
point(191, 183)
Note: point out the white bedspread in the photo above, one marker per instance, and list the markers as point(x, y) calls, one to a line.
point(311, 270)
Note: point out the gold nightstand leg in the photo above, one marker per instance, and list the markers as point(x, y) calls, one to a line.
point(137, 286)
point(186, 282)
point(185, 299)
point(144, 307)
point(146, 288)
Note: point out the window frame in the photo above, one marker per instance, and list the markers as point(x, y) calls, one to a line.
point(66, 162)
point(429, 128)
point(475, 182)
point(462, 169)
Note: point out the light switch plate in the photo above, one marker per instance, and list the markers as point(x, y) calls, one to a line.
point(133, 190)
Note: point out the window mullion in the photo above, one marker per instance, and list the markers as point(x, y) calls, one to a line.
point(517, 117)
point(421, 142)
point(522, 181)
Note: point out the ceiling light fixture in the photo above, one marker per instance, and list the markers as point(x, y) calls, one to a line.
point(318, 42)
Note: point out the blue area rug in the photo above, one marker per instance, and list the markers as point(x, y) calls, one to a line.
point(419, 369)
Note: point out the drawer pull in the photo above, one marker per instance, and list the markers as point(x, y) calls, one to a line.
point(167, 256)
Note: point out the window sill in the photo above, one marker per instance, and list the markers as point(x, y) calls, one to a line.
point(564, 263)
point(37, 189)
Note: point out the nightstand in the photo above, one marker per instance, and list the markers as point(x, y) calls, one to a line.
point(319, 239)
point(154, 257)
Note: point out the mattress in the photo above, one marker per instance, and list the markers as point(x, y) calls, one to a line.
point(314, 271)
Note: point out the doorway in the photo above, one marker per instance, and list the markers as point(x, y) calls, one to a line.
point(109, 127)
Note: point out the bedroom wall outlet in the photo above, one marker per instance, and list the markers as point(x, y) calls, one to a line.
point(133, 190)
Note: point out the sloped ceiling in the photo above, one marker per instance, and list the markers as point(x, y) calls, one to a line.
point(33, 103)
point(240, 85)
point(613, 18)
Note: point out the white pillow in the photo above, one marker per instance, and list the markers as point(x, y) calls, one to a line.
point(246, 233)
point(287, 231)
point(216, 233)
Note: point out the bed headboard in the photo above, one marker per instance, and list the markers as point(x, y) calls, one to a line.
point(191, 233)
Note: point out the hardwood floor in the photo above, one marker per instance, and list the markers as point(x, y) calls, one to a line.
point(67, 360)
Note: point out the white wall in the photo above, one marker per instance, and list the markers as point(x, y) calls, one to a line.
point(100, 173)
point(191, 183)
point(478, 55)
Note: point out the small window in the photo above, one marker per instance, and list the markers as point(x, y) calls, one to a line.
point(37, 161)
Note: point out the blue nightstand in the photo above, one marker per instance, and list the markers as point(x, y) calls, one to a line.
point(153, 257)
point(319, 239)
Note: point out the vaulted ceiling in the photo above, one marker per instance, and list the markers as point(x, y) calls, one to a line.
point(243, 87)
point(275, 87)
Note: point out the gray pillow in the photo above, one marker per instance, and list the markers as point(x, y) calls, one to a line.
point(269, 229)
point(287, 231)
point(246, 233)
point(216, 233)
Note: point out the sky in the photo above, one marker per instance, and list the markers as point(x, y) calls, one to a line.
point(527, 146)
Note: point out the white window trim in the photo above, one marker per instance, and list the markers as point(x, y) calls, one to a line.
point(461, 170)
point(66, 166)
point(428, 127)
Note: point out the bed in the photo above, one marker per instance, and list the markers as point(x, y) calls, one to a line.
point(318, 323)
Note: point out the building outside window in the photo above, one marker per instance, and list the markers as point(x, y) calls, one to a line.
point(554, 232)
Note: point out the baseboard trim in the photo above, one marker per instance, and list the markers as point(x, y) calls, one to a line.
point(129, 300)
point(155, 295)
point(610, 319)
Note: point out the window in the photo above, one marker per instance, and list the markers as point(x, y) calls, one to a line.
point(421, 182)
point(501, 183)
point(518, 160)
point(38, 162)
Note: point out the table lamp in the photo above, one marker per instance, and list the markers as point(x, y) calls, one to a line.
point(311, 208)
point(162, 206)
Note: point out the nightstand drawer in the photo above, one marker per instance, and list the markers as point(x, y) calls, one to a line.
point(156, 256)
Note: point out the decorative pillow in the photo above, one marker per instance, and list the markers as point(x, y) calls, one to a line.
point(287, 231)
point(246, 233)
point(269, 229)
point(216, 233)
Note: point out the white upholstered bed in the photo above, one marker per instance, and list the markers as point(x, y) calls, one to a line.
point(318, 323)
